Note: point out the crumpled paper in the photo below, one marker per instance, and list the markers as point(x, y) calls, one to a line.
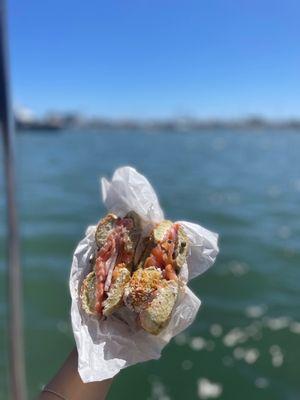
point(106, 346)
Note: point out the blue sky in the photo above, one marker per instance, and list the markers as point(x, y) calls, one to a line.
point(131, 58)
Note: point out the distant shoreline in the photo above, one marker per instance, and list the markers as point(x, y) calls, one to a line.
point(186, 128)
point(62, 122)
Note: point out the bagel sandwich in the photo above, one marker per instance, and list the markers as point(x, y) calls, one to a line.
point(116, 239)
point(153, 288)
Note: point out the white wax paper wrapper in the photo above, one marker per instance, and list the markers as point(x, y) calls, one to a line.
point(106, 346)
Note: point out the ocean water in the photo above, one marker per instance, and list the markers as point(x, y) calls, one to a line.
point(245, 342)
